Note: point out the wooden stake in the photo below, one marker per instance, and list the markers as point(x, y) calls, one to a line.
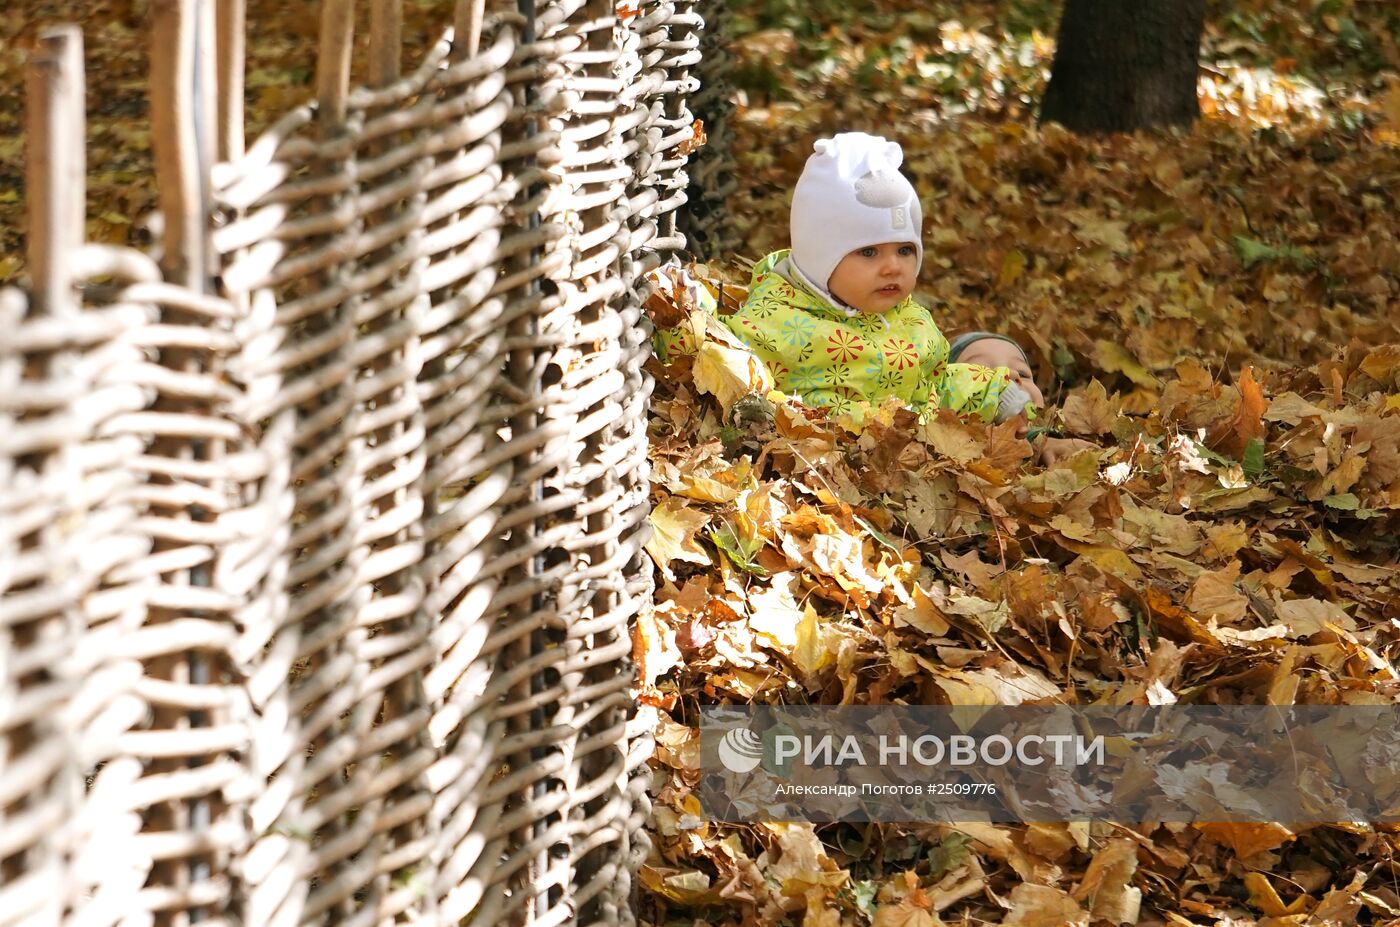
point(231, 24)
point(174, 140)
point(206, 100)
point(466, 28)
point(56, 166)
point(385, 41)
point(333, 62)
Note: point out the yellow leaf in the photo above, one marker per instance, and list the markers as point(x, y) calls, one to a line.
point(689, 887)
point(1116, 358)
point(729, 374)
point(705, 489)
point(809, 652)
point(1265, 897)
point(1011, 267)
point(1306, 617)
point(803, 861)
point(774, 615)
point(1246, 838)
point(654, 647)
point(952, 440)
point(1053, 841)
point(923, 615)
point(673, 528)
point(1109, 559)
point(1390, 105)
point(904, 914)
point(1107, 883)
point(1214, 595)
point(1043, 906)
point(1107, 233)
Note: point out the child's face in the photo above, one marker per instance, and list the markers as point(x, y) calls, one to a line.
point(877, 278)
point(994, 352)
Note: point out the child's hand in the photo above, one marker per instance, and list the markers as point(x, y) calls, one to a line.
point(1053, 450)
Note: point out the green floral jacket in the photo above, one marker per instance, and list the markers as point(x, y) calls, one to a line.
point(818, 353)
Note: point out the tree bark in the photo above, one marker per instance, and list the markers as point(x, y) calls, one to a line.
point(1122, 65)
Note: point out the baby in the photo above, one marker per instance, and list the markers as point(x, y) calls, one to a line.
point(832, 319)
point(988, 349)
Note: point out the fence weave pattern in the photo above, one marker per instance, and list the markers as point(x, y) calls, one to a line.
point(316, 592)
point(706, 221)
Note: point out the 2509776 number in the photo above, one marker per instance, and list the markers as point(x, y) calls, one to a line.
point(962, 788)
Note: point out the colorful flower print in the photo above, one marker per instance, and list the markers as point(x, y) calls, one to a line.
point(809, 378)
point(900, 354)
point(798, 330)
point(844, 346)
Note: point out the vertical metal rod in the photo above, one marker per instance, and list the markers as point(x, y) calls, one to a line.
point(56, 165)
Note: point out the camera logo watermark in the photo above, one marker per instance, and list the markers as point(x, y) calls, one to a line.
point(741, 750)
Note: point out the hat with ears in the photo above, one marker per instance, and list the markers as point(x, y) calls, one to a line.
point(851, 195)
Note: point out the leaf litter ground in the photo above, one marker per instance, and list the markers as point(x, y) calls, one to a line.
point(1217, 310)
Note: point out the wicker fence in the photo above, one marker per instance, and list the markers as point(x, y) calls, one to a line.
point(320, 528)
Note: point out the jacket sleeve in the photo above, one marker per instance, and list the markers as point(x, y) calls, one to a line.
point(969, 389)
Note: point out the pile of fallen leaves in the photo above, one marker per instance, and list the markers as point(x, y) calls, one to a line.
point(1233, 541)
point(1236, 544)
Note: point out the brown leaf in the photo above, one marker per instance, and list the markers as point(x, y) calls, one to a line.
point(1247, 838)
point(1087, 411)
point(1043, 906)
point(1248, 422)
point(1107, 884)
point(1215, 595)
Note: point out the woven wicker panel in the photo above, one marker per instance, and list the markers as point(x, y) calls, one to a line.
point(317, 593)
point(680, 53)
point(117, 703)
point(64, 492)
point(446, 731)
point(39, 621)
point(705, 219)
point(375, 365)
point(568, 723)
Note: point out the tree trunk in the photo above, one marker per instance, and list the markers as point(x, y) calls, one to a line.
point(1122, 65)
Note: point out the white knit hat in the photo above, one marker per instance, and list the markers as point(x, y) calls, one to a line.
point(851, 195)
